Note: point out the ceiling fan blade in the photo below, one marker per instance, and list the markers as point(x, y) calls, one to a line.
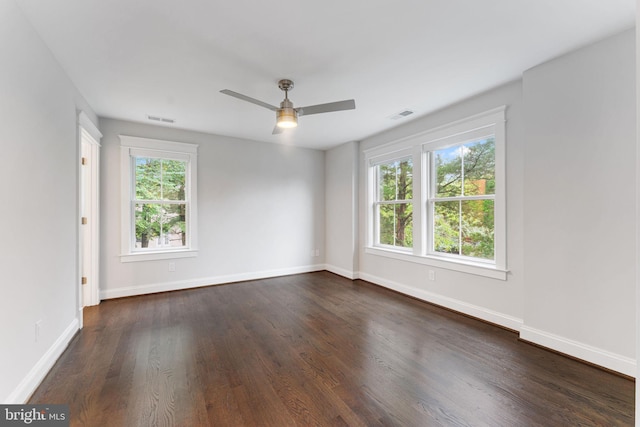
point(349, 104)
point(249, 99)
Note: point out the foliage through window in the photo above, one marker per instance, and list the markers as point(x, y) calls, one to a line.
point(160, 203)
point(462, 199)
point(394, 207)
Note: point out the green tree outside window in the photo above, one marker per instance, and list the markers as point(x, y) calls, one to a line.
point(463, 206)
point(394, 207)
point(160, 205)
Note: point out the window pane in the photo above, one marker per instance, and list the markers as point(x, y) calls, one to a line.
point(160, 179)
point(448, 166)
point(387, 183)
point(405, 180)
point(387, 220)
point(446, 227)
point(477, 228)
point(174, 226)
point(396, 180)
point(147, 224)
point(479, 168)
point(148, 178)
point(404, 225)
point(173, 179)
point(396, 224)
point(160, 225)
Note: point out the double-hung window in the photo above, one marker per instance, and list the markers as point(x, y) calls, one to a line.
point(394, 203)
point(438, 198)
point(158, 199)
point(461, 199)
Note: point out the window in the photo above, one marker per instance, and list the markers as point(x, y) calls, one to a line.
point(393, 205)
point(452, 215)
point(159, 206)
point(461, 200)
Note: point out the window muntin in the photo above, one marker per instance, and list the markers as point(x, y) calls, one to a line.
point(461, 200)
point(394, 203)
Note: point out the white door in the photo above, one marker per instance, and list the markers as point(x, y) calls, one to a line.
point(89, 227)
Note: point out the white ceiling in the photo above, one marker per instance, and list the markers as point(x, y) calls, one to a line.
point(169, 58)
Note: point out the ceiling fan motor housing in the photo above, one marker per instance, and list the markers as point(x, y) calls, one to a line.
point(286, 116)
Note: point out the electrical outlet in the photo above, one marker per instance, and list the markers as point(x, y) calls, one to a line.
point(317, 252)
point(172, 266)
point(38, 329)
point(432, 275)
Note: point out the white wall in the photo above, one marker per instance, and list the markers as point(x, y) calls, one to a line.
point(497, 301)
point(260, 212)
point(580, 124)
point(341, 172)
point(39, 216)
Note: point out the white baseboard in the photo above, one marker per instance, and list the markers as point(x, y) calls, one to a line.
point(472, 310)
point(353, 275)
point(605, 359)
point(30, 383)
point(128, 291)
point(612, 361)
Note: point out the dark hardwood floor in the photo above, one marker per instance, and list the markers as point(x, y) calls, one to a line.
point(317, 349)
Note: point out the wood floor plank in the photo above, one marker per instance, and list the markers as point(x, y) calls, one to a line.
point(317, 349)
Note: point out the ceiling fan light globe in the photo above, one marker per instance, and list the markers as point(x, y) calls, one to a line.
point(286, 118)
point(287, 125)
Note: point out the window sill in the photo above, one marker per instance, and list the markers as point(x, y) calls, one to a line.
point(153, 256)
point(477, 269)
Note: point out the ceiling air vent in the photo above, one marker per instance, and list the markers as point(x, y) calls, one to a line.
point(401, 115)
point(161, 119)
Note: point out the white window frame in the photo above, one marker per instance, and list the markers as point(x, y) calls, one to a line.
point(418, 146)
point(431, 199)
point(131, 147)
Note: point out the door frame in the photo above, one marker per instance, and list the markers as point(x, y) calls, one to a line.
point(88, 207)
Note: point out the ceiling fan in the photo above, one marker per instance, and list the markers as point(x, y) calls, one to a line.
point(286, 114)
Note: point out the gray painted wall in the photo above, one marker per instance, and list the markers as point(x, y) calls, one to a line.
point(39, 214)
point(341, 170)
point(580, 149)
point(261, 211)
